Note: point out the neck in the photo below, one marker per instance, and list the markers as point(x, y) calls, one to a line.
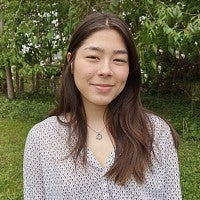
point(95, 116)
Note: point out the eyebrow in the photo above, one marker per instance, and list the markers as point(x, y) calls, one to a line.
point(120, 52)
point(98, 49)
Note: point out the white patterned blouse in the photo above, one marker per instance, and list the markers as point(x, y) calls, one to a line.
point(50, 175)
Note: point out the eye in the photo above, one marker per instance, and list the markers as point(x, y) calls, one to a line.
point(119, 60)
point(92, 57)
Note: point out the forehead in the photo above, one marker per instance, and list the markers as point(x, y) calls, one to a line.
point(105, 37)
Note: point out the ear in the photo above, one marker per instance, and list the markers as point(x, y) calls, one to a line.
point(68, 56)
point(68, 59)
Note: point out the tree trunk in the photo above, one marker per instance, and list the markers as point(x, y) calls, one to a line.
point(33, 82)
point(37, 82)
point(1, 23)
point(21, 84)
point(10, 86)
point(17, 81)
point(50, 52)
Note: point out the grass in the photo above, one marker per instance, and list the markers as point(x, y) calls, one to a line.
point(12, 139)
point(189, 161)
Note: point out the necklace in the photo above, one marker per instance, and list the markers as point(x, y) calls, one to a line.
point(99, 135)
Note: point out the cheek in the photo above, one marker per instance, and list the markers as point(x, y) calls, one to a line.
point(83, 73)
point(124, 75)
point(81, 77)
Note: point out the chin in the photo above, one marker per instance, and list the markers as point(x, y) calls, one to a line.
point(101, 103)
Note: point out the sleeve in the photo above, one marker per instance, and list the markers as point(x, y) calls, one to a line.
point(169, 158)
point(32, 170)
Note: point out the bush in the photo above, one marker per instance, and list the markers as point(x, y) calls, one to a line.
point(177, 110)
point(30, 108)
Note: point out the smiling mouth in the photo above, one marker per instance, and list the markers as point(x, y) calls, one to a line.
point(103, 87)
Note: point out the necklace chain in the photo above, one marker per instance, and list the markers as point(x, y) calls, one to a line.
point(99, 135)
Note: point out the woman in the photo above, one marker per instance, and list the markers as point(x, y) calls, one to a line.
point(100, 143)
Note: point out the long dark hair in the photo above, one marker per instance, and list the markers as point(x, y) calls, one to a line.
point(126, 119)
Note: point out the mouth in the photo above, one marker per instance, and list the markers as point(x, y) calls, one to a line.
point(103, 87)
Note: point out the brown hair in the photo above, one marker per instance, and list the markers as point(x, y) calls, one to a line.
point(126, 119)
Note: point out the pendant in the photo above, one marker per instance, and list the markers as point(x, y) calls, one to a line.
point(99, 136)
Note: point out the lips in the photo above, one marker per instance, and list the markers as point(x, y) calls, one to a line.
point(103, 87)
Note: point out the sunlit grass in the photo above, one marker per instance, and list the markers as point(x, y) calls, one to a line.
point(189, 159)
point(12, 138)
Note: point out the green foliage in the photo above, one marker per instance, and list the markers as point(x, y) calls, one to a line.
point(35, 108)
point(177, 110)
point(167, 35)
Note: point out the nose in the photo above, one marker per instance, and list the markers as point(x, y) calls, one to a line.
point(105, 69)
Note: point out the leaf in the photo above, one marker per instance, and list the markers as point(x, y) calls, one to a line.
point(113, 5)
point(150, 2)
point(167, 29)
point(155, 48)
point(154, 64)
point(50, 35)
point(171, 50)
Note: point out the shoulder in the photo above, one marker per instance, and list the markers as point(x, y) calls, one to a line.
point(160, 128)
point(163, 141)
point(49, 123)
point(49, 127)
point(158, 123)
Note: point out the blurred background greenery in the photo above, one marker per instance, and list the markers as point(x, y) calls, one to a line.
point(34, 36)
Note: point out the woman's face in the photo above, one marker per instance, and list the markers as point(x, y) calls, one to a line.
point(101, 68)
